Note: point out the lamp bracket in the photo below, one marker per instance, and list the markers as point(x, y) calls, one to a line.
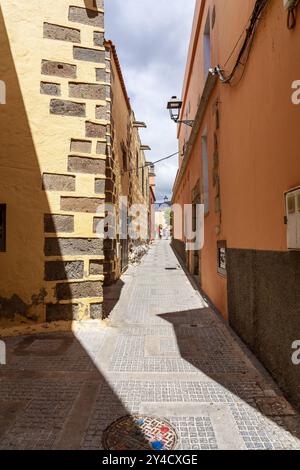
point(187, 122)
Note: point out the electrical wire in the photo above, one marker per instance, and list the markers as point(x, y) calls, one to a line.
point(236, 44)
point(162, 159)
point(260, 5)
point(147, 164)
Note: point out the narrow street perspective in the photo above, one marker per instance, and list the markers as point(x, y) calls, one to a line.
point(149, 231)
point(164, 354)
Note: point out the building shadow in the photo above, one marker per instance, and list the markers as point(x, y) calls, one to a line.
point(215, 351)
point(22, 286)
point(53, 396)
point(34, 274)
point(112, 294)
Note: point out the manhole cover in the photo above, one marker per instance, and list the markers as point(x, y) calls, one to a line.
point(140, 433)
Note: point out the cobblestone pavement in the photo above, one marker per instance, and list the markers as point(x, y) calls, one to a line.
point(163, 354)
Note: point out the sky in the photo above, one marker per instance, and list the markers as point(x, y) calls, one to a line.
point(152, 39)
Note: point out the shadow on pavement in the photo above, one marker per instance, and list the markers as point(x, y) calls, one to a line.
point(208, 345)
point(52, 396)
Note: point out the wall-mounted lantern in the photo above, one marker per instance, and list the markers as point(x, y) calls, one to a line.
point(174, 106)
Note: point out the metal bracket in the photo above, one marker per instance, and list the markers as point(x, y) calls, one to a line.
point(189, 123)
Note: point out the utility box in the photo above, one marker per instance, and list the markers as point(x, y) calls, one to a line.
point(292, 203)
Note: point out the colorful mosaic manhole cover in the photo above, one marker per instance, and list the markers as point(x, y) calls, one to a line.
point(140, 433)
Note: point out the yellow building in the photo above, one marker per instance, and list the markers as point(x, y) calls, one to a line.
point(69, 144)
point(55, 155)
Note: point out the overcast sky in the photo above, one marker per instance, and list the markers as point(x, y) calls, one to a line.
point(152, 38)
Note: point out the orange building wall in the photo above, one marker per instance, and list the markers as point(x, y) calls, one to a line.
point(260, 137)
point(258, 154)
point(259, 129)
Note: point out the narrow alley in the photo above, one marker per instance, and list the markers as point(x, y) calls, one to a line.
point(165, 371)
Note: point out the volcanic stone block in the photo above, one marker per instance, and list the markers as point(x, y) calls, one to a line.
point(97, 224)
point(53, 89)
point(110, 174)
point(73, 246)
point(64, 312)
point(108, 92)
point(82, 204)
point(60, 270)
point(82, 146)
point(95, 130)
point(61, 33)
point(96, 311)
point(67, 108)
point(53, 182)
point(110, 198)
point(101, 148)
point(98, 39)
point(86, 16)
point(93, 166)
point(88, 91)
point(109, 245)
point(58, 223)
point(99, 186)
point(110, 162)
point(96, 267)
point(89, 55)
point(79, 290)
point(101, 112)
point(101, 75)
point(59, 69)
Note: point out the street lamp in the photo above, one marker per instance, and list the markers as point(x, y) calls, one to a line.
point(174, 106)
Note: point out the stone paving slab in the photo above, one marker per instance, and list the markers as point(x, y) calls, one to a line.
point(163, 353)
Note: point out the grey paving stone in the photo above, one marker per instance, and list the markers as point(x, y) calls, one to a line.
point(163, 351)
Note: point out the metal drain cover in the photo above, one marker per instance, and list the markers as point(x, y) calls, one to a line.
point(140, 433)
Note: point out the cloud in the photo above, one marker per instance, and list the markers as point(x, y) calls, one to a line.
point(152, 41)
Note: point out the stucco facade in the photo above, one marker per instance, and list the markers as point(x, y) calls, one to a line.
point(239, 159)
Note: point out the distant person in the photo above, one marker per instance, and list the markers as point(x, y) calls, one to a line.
point(160, 232)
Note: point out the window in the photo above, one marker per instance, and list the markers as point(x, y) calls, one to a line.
point(205, 181)
point(2, 227)
point(207, 46)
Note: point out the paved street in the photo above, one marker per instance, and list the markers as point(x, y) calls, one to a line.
point(163, 354)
